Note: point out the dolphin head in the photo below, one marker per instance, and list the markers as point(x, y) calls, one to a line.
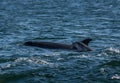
point(29, 43)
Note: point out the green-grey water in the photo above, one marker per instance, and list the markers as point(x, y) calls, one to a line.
point(63, 21)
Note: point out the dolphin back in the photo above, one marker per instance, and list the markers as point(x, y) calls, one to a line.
point(49, 45)
point(81, 46)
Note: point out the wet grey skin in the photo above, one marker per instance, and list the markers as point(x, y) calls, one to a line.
point(81, 46)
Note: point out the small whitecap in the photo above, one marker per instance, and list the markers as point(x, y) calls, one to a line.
point(102, 70)
point(79, 56)
point(60, 59)
point(44, 62)
point(116, 76)
point(52, 54)
point(20, 59)
point(85, 56)
point(113, 50)
point(32, 61)
point(102, 54)
point(6, 66)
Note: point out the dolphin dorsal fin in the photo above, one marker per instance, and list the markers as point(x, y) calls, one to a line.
point(86, 41)
point(80, 46)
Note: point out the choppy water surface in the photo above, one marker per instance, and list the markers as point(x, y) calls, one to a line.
point(63, 21)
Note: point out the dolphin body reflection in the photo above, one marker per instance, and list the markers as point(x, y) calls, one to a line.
point(81, 46)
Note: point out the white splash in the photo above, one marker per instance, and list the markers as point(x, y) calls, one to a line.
point(113, 50)
point(116, 76)
point(60, 59)
point(5, 66)
point(36, 61)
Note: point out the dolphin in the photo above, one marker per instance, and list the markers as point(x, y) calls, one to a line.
point(81, 46)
